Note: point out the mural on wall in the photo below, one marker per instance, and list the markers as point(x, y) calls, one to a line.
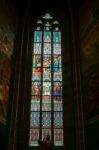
point(6, 51)
point(90, 59)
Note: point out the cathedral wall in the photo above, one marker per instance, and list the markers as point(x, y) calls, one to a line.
point(89, 40)
point(8, 27)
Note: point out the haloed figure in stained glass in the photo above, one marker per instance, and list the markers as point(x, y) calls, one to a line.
point(56, 64)
point(57, 91)
point(46, 96)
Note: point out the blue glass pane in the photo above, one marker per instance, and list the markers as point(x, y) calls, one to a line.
point(57, 90)
point(47, 36)
point(47, 48)
point(46, 119)
point(37, 48)
point(57, 37)
point(37, 36)
point(47, 61)
point(58, 119)
point(34, 119)
point(46, 88)
point(57, 49)
point(46, 74)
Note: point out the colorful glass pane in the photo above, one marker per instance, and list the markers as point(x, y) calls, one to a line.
point(58, 107)
point(56, 63)
point(46, 106)
point(34, 119)
point(47, 36)
point(58, 137)
point(57, 37)
point(46, 119)
point(47, 48)
point(46, 98)
point(47, 61)
point(36, 89)
point(37, 48)
point(46, 132)
point(37, 61)
point(46, 74)
point(34, 136)
point(33, 98)
point(58, 119)
point(57, 49)
point(57, 74)
point(37, 36)
point(57, 91)
point(35, 105)
point(36, 76)
point(46, 88)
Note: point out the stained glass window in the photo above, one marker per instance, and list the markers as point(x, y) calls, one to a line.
point(46, 110)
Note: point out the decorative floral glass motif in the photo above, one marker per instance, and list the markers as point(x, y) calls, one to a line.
point(46, 119)
point(34, 122)
point(46, 115)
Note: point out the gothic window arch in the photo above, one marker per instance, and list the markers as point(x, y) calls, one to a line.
point(46, 111)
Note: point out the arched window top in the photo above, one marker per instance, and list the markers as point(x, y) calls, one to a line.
point(47, 22)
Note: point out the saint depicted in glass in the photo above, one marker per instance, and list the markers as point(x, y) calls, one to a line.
point(46, 109)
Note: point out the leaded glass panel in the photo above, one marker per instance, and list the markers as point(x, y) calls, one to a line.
point(37, 61)
point(35, 105)
point(46, 74)
point(47, 36)
point(37, 48)
point(47, 61)
point(46, 119)
point(57, 49)
point(58, 137)
point(46, 88)
point(36, 76)
point(45, 132)
point(46, 109)
point(34, 119)
point(37, 36)
point(57, 37)
point(47, 48)
point(34, 136)
point(58, 119)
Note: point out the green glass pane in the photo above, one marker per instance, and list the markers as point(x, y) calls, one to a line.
point(37, 61)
